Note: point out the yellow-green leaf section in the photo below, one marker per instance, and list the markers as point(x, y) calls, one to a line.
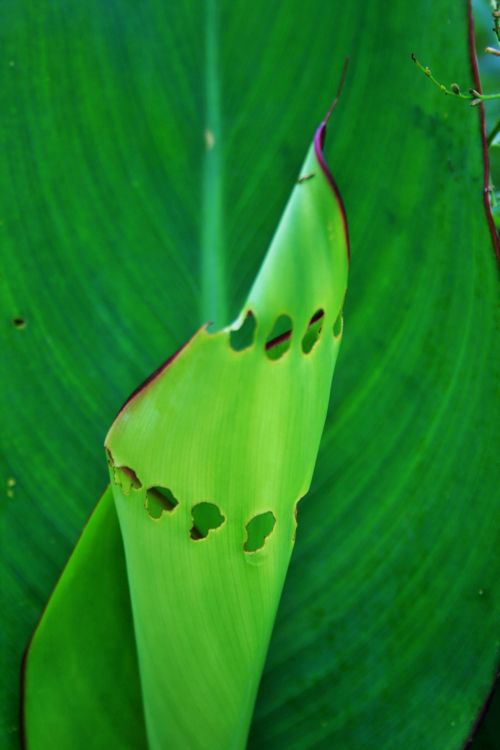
point(219, 443)
point(83, 651)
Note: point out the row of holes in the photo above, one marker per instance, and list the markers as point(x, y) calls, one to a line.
point(207, 517)
point(279, 340)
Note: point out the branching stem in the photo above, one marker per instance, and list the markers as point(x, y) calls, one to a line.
point(472, 96)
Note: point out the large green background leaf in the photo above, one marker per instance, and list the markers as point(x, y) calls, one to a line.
point(387, 630)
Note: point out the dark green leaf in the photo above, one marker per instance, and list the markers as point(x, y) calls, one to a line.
point(387, 630)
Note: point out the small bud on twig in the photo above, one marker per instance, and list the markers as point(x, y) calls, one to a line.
point(473, 96)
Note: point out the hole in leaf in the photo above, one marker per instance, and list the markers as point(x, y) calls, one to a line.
point(206, 517)
point(242, 338)
point(337, 326)
point(258, 529)
point(313, 331)
point(159, 499)
point(126, 478)
point(278, 341)
point(19, 323)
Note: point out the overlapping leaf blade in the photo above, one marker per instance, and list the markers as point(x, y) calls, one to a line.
point(83, 657)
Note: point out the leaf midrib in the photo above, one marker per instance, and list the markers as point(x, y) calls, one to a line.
point(213, 271)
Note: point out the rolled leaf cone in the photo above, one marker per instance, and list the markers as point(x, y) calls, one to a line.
point(208, 461)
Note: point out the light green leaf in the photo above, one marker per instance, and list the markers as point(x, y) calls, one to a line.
point(82, 662)
point(233, 436)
